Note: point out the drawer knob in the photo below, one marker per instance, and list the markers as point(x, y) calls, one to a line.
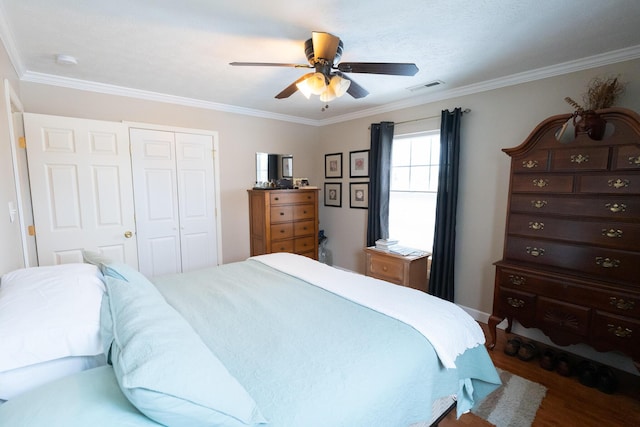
point(536, 252)
point(618, 183)
point(634, 161)
point(619, 331)
point(540, 183)
point(607, 262)
point(616, 208)
point(276, 198)
point(514, 302)
point(529, 164)
point(517, 280)
point(282, 231)
point(538, 204)
point(536, 225)
point(612, 232)
point(281, 213)
point(621, 304)
point(384, 268)
point(579, 158)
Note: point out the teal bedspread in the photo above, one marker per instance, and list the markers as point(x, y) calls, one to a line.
point(309, 358)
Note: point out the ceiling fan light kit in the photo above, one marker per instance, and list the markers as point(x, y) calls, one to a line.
point(323, 50)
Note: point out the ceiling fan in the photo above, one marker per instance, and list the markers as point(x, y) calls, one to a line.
point(323, 51)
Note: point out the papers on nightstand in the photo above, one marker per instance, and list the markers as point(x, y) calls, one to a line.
point(393, 247)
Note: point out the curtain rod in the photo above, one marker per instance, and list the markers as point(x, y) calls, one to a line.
point(466, 110)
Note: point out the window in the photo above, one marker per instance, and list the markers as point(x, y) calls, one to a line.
point(414, 186)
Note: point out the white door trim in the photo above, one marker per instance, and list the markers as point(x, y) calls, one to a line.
point(14, 105)
point(216, 167)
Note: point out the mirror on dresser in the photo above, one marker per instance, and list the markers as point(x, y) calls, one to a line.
point(273, 168)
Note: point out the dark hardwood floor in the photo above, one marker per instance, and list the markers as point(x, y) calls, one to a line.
point(568, 402)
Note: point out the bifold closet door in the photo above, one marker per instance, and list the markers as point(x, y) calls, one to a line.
point(174, 199)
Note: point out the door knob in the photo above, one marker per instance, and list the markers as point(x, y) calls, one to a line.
point(128, 234)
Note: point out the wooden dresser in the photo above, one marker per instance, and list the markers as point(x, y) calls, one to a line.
point(410, 271)
point(571, 263)
point(284, 221)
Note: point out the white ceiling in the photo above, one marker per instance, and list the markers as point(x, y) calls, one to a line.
point(180, 50)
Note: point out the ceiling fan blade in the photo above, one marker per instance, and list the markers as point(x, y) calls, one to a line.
point(355, 89)
point(392, 68)
point(292, 88)
point(325, 46)
point(268, 64)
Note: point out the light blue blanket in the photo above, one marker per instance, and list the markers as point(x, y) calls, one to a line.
point(306, 356)
point(309, 358)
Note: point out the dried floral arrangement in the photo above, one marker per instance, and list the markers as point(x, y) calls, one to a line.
point(602, 92)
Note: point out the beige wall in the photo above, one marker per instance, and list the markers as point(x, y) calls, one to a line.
point(10, 242)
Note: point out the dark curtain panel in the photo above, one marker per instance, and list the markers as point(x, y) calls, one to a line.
point(441, 282)
point(379, 181)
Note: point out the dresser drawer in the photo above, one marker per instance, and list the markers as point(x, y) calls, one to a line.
point(386, 268)
point(543, 183)
point(619, 332)
point(609, 234)
point(533, 162)
point(291, 197)
point(306, 211)
point(562, 317)
point(303, 228)
point(622, 207)
point(517, 304)
point(627, 157)
point(281, 214)
point(586, 158)
point(303, 244)
point(282, 231)
point(610, 184)
point(605, 263)
point(282, 245)
point(580, 292)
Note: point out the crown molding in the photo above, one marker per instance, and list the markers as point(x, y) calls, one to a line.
point(608, 58)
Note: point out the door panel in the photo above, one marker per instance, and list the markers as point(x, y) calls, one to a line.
point(156, 195)
point(80, 174)
point(196, 200)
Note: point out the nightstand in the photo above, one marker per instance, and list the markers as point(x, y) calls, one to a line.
point(402, 270)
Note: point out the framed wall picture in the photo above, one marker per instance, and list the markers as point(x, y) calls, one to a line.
point(359, 195)
point(333, 194)
point(359, 164)
point(333, 165)
point(287, 167)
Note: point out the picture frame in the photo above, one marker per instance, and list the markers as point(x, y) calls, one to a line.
point(287, 167)
point(359, 195)
point(333, 194)
point(333, 165)
point(359, 164)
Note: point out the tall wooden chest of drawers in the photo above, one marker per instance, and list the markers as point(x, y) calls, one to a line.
point(284, 221)
point(571, 263)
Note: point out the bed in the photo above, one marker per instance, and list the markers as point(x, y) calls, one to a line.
point(276, 340)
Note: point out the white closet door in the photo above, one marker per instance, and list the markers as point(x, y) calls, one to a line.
point(175, 200)
point(80, 176)
point(196, 196)
point(156, 199)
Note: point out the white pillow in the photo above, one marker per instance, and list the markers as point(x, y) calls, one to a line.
point(18, 381)
point(48, 313)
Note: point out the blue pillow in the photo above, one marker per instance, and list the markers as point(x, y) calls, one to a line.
point(162, 365)
point(87, 398)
